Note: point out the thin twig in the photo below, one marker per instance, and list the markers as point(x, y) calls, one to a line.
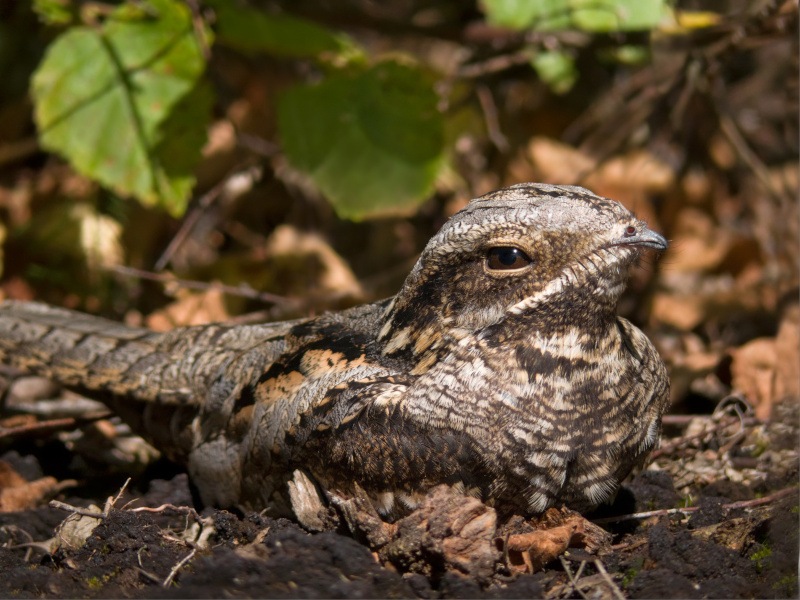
point(761, 501)
point(51, 425)
point(243, 291)
point(12, 529)
point(188, 224)
point(86, 512)
point(489, 109)
point(731, 131)
point(164, 507)
point(628, 545)
point(614, 588)
point(683, 420)
point(178, 567)
point(231, 183)
point(647, 514)
point(573, 579)
point(111, 502)
point(149, 575)
point(19, 150)
point(494, 65)
point(685, 440)
point(690, 509)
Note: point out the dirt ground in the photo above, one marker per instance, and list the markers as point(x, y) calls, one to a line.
point(736, 538)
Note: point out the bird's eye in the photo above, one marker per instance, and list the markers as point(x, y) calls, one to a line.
point(630, 231)
point(507, 258)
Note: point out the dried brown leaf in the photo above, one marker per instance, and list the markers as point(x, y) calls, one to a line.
point(630, 178)
point(753, 372)
point(191, 308)
point(699, 245)
point(530, 552)
point(530, 545)
point(16, 493)
point(684, 312)
point(316, 266)
point(787, 348)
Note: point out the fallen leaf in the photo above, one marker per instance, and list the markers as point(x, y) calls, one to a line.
point(736, 534)
point(309, 261)
point(530, 552)
point(529, 545)
point(698, 244)
point(76, 529)
point(191, 308)
point(787, 348)
point(556, 162)
point(16, 493)
point(630, 179)
point(684, 312)
point(753, 369)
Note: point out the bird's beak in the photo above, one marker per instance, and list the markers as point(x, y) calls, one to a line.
point(644, 237)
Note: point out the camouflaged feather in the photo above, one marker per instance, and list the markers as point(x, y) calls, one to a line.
point(521, 386)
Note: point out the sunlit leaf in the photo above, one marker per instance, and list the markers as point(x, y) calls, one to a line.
point(590, 15)
point(105, 98)
point(627, 54)
point(54, 12)
point(556, 69)
point(77, 231)
point(372, 141)
point(684, 21)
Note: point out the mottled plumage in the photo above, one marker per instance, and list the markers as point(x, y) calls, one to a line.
point(500, 366)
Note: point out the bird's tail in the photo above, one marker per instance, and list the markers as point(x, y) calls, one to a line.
point(157, 382)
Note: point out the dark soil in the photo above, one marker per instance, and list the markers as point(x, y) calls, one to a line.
point(717, 551)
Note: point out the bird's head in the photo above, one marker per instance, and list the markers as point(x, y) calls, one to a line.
point(559, 251)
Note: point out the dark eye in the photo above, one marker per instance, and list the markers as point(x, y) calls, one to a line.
point(507, 258)
point(630, 231)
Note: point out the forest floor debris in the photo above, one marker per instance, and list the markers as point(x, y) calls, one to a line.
point(715, 515)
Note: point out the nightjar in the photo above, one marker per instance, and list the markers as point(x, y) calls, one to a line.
point(501, 367)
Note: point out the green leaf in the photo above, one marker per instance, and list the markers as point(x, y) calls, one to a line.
point(54, 12)
point(372, 141)
point(556, 69)
point(626, 54)
point(619, 15)
point(518, 14)
point(179, 147)
point(250, 30)
point(106, 98)
point(599, 16)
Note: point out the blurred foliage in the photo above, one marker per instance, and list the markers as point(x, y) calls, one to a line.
point(589, 15)
point(145, 144)
point(252, 31)
point(377, 143)
point(121, 93)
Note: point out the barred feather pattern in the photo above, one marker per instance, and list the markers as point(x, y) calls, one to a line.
point(520, 385)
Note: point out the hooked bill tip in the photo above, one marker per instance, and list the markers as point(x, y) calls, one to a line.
point(647, 238)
